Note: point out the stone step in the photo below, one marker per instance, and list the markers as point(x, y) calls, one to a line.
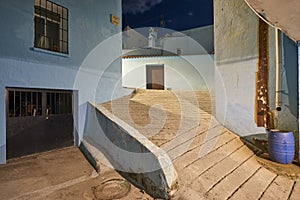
point(232, 181)
point(212, 176)
point(255, 186)
point(280, 188)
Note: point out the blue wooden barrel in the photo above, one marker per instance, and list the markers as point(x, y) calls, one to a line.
point(281, 146)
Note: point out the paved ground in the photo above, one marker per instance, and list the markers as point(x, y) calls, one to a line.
point(62, 174)
point(211, 161)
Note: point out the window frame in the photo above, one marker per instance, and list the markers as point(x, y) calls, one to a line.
point(44, 40)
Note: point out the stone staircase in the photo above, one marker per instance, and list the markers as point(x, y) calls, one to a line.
point(211, 162)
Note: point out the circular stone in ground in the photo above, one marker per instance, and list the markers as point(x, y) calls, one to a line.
point(111, 189)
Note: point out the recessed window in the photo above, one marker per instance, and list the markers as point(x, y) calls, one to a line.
point(50, 26)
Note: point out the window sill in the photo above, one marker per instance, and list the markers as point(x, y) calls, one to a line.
point(50, 52)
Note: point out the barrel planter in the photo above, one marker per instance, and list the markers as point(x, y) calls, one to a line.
point(281, 146)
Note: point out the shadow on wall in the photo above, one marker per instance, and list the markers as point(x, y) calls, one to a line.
point(291, 70)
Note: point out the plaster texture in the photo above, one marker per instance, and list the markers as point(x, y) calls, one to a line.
point(236, 35)
point(235, 94)
point(236, 59)
point(204, 36)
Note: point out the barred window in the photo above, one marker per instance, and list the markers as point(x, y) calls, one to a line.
point(32, 102)
point(50, 26)
point(24, 103)
point(59, 103)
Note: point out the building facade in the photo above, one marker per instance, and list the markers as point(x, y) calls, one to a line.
point(176, 61)
point(53, 60)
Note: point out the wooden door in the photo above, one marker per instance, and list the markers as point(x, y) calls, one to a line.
point(155, 77)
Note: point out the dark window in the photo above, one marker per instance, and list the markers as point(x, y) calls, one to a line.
point(50, 26)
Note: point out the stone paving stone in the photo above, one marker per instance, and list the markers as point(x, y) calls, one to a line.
point(230, 183)
point(193, 154)
point(189, 140)
point(255, 186)
point(195, 169)
point(206, 140)
point(183, 137)
point(26, 175)
point(295, 195)
point(211, 177)
point(279, 189)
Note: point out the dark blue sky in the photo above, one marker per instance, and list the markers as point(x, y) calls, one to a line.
point(178, 14)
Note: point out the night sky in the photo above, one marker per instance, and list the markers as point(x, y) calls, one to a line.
point(177, 14)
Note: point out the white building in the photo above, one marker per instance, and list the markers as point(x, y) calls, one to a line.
point(131, 39)
point(176, 61)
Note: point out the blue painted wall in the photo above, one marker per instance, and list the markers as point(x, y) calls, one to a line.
point(93, 66)
point(288, 117)
point(89, 24)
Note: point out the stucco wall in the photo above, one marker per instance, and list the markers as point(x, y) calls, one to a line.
point(94, 56)
point(133, 39)
point(204, 36)
point(236, 48)
point(236, 55)
point(181, 72)
point(236, 34)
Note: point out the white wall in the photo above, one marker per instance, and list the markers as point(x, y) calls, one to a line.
point(193, 72)
point(132, 39)
point(236, 55)
point(235, 95)
point(185, 43)
point(204, 36)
